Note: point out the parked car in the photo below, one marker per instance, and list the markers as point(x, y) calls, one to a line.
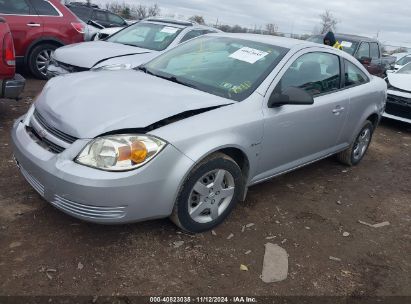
point(38, 28)
point(404, 60)
point(399, 95)
point(128, 48)
point(11, 84)
point(186, 134)
point(367, 50)
point(92, 12)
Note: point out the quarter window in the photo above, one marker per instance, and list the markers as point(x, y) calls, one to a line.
point(364, 50)
point(14, 7)
point(44, 8)
point(317, 73)
point(353, 75)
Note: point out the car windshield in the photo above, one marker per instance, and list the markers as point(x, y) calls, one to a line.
point(348, 46)
point(152, 36)
point(404, 60)
point(227, 67)
point(405, 70)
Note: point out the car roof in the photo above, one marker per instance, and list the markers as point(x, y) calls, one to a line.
point(269, 39)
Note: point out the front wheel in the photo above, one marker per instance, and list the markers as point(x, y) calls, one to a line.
point(355, 153)
point(209, 194)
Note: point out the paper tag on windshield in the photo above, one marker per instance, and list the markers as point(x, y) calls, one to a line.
point(248, 55)
point(169, 30)
point(346, 44)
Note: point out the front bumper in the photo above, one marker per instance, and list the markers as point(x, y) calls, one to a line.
point(98, 196)
point(398, 106)
point(12, 88)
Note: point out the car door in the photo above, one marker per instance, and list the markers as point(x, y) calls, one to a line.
point(297, 134)
point(376, 64)
point(25, 25)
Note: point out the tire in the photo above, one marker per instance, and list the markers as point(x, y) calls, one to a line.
point(200, 211)
point(357, 150)
point(39, 59)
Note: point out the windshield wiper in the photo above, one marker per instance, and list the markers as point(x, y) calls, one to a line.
point(177, 80)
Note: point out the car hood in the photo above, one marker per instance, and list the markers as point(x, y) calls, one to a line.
point(400, 81)
point(94, 103)
point(88, 54)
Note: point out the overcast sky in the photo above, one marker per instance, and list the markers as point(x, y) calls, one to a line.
point(390, 19)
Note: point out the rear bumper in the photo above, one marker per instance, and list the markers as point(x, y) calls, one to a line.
point(12, 88)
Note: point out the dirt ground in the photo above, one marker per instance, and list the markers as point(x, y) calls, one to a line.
point(45, 252)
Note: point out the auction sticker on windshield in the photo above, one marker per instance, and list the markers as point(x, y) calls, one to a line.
point(346, 44)
point(249, 55)
point(169, 30)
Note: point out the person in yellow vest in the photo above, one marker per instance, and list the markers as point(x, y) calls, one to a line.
point(330, 40)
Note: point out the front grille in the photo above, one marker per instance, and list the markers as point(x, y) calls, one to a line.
point(71, 68)
point(44, 142)
point(57, 133)
point(33, 182)
point(95, 212)
point(398, 106)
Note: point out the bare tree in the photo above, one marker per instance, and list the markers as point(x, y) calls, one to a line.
point(328, 22)
point(271, 29)
point(197, 19)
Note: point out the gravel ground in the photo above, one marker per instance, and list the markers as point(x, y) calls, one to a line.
point(306, 212)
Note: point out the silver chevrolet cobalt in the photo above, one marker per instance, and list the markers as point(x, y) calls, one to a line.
point(185, 135)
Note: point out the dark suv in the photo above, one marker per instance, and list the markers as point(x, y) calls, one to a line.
point(38, 28)
point(92, 12)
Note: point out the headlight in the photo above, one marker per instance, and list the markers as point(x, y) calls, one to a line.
point(120, 152)
point(114, 67)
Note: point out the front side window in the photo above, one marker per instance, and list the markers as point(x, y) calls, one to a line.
point(317, 73)
point(192, 34)
point(353, 75)
point(405, 70)
point(364, 50)
point(44, 8)
point(14, 7)
point(100, 16)
point(374, 50)
point(150, 36)
point(226, 67)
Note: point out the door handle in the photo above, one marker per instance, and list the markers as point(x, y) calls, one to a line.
point(32, 24)
point(338, 110)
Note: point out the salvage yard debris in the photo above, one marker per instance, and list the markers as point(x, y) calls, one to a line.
point(275, 265)
point(379, 225)
point(243, 267)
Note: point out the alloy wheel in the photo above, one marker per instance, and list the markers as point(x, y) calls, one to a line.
point(43, 60)
point(361, 144)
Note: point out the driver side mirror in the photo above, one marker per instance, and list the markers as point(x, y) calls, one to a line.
point(290, 96)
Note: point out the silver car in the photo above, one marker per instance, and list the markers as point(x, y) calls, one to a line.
point(185, 135)
point(127, 48)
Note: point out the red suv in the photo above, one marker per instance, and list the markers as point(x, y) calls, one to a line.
point(38, 28)
point(11, 84)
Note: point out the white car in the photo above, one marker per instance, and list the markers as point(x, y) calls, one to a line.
point(399, 95)
point(135, 45)
point(104, 33)
point(402, 61)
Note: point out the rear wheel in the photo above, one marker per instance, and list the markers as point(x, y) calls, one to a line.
point(355, 153)
point(209, 194)
point(39, 59)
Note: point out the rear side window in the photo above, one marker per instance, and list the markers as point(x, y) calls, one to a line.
point(44, 8)
point(15, 7)
point(116, 20)
point(82, 13)
point(374, 50)
point(317, 73)
point(353, 75)
point(364, 50)
point(100, 16)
